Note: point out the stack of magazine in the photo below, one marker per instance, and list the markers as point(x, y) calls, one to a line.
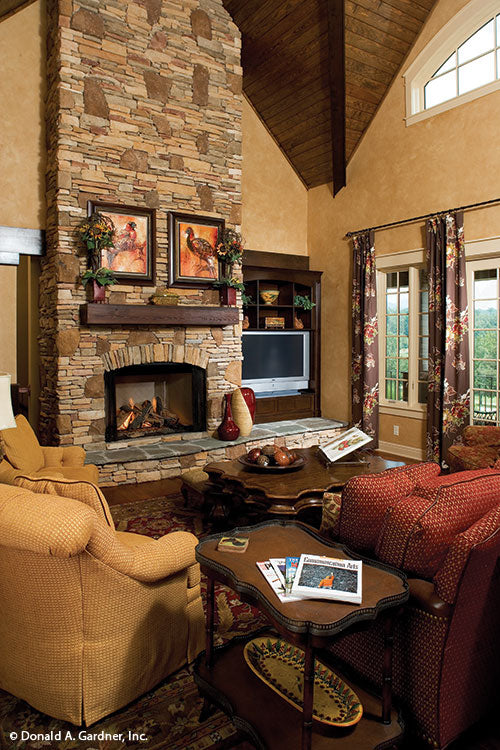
point(313, 577)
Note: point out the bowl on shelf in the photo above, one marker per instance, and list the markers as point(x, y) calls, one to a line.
point(269, 296)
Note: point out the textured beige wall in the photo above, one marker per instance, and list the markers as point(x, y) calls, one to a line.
point(411, 431)
point(398, 172)
point(8, 324)
point(22, 146)
point(274, 199)
point(22, 139)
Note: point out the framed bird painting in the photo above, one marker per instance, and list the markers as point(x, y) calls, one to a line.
point(132, 255)
point(193, 259)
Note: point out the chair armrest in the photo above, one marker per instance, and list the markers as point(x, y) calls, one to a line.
point(194, 575)
point(73, 455)
point(423, 595)
point(164, 557)
point(143, 558)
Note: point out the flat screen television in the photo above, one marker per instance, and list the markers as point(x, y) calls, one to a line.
point(276, 361)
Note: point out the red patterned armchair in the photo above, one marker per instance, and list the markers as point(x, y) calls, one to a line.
point(480, 448)
point(444, 532)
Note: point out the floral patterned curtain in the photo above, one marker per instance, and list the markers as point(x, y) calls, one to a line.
point(365, 383)
point(448, 401)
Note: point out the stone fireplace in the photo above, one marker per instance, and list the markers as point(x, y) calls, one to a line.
point(144, 105)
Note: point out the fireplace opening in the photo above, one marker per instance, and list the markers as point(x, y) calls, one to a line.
point(149, 399)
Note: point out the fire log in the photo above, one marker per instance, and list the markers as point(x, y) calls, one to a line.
point(141, 417)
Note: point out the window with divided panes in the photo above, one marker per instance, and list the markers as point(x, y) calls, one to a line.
point(473, 64)
point(405, 337)
point(484, 301)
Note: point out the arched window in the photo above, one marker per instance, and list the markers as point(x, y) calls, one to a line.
point(461, 62)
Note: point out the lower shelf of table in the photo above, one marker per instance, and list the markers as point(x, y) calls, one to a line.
point(271, 723)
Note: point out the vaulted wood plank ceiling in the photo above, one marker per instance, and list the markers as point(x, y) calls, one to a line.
point(9, 7)
point(286, 75)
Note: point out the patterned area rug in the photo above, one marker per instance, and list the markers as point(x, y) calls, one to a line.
point(168, 716)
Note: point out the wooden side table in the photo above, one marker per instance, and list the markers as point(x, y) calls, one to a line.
point(224, 678)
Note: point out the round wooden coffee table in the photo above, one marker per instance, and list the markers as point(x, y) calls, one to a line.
point(288, 493)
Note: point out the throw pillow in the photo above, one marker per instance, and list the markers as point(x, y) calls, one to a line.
point(330, 516)
point(21, 447)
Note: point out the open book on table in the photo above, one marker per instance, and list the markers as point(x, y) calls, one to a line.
point(344, 444)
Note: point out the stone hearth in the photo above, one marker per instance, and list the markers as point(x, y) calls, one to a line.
point(151, 459)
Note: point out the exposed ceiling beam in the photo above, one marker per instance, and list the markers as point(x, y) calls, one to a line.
point(9, 7)
point(336, 71)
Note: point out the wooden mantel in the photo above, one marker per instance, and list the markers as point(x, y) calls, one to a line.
point(96, 314)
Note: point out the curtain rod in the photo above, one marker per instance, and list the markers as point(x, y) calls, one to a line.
point(424, 216)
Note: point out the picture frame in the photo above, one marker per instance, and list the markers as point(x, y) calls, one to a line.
point(132, 259)
point(192, 242)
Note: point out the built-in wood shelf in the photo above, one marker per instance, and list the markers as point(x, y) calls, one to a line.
point(96, 314)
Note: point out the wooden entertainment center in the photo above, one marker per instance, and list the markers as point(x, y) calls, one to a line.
point(290, 276)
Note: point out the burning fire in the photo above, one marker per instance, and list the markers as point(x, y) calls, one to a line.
point(133, 413)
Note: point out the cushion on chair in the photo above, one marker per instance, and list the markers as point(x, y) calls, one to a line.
point(416, 534)
point(366, 498)
point(476, 434)
point(52, 455)
point(466, 457)
point(87, 473)
point(21, 446)
point(85, 492)
point(330, 515)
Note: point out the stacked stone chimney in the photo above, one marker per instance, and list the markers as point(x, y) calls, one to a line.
point(143, 109)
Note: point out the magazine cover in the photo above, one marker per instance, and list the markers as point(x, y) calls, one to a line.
point(291, 564)
point(274, 581)
point(320, 577)
point(344, 444)
point(285, 568)
point(278, 564)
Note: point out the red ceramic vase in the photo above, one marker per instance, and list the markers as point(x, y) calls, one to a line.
point(227, 295)
point(98, 292)
point(228, 429)
point(249, 397)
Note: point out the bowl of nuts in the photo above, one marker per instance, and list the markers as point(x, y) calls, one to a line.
point(272, 458)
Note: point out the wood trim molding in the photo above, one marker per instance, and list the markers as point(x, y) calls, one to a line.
point(16, 241)
point(405, 451)
point(263, 259)
point(183, 315)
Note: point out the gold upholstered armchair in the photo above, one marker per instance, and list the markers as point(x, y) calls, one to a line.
point(22, 452)
point(90, 618)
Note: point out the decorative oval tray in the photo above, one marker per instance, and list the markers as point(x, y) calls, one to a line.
point(299, 462)
point(281, 666)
